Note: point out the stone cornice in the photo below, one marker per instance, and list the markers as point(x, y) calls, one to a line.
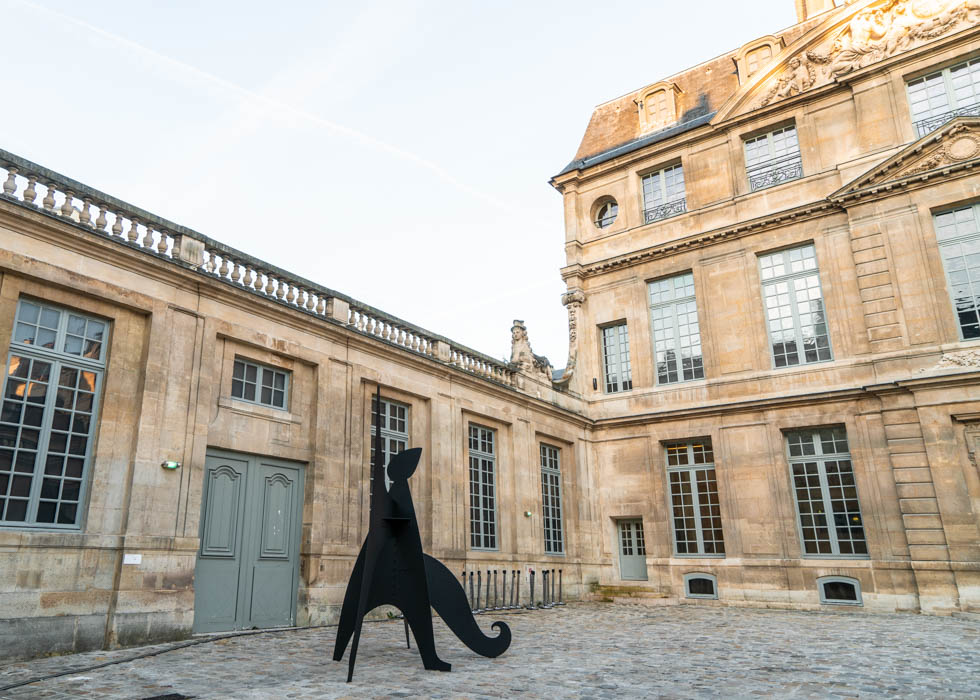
point(702, 240)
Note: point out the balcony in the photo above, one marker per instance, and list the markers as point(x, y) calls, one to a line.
point(665, 211)
point(775, 172)
point(925, 126)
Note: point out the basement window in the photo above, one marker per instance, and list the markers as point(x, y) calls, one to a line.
point(839, 590)
point(700, 586)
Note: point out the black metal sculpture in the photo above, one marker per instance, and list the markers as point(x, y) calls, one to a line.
point(391, 569)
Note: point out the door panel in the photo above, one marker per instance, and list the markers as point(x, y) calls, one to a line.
point(632, 550)
point(272, 582)
point(248, 565)
point(216, 589)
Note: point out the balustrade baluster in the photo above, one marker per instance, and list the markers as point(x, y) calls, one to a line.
point(162, 243)
point(86, 216)
point(30, 192)
point(250, 277)
point(223, 270)
point(100, 221)
point(66, 208)
point(267, 287)
point(48, 201)
point(117, 225)
point(10, 184)
point(321, 307)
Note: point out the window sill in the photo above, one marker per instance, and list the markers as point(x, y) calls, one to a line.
point(699, 556)
point(840, 557)
point(254, 410)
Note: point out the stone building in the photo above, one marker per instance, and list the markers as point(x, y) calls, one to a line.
point(772, 394)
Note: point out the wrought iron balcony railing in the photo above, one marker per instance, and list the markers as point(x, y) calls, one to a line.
point(775, 172)
point(665, 211)
point(925, 126)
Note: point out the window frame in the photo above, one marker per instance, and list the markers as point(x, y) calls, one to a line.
point(672, 304)
point(667, 208)
point(552, 473)
point(824, 600)
point(756, 173)
point(388, 434)
point(927, 124)
point(690, 470)
point(821, 458)
point(949, 242)
point(58, 359)
point(627, 376)
point(261, 369)
point(701, 596)
point(494, 484)
point(789, 278)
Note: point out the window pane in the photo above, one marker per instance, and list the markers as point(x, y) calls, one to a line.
point(676, 331)
point(826, 494)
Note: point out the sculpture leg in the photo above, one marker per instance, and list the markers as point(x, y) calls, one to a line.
point(421, 623)
point(345, 628)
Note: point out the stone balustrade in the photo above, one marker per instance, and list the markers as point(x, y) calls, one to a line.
point(38, 188)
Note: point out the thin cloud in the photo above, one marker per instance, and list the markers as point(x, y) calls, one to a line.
point(269, 102)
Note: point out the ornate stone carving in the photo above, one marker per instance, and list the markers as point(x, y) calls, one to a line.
point(878, 31)
point(959, 145)
point(968, 359)
point(522, 355)
point(573, 300)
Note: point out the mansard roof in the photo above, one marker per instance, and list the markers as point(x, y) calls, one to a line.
point(821, 51)
point(614, 127)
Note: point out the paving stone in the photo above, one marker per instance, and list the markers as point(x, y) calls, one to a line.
point(586, 650)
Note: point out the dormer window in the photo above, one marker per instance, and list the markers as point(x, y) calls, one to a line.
point(756, 55)
point(658, 106)
point(757, 58)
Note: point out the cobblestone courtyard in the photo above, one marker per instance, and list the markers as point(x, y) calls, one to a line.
point(583, 650)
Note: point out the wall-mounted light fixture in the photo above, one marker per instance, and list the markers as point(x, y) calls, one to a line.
point(527, 514)
point(170, 464)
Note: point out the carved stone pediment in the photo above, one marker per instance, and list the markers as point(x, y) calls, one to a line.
point(957, 143)
point(852, 37)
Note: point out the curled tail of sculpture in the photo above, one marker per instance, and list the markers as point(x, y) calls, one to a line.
point(448, 598)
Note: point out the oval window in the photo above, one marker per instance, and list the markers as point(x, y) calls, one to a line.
point(606, 214)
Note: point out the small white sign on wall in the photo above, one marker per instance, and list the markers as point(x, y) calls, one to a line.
point(132, 558)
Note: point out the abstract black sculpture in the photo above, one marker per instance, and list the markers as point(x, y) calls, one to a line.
point(391, 569)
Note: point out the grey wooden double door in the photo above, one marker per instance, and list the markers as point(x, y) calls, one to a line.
point(248, 564)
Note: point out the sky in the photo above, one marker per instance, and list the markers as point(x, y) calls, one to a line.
point(398, 152)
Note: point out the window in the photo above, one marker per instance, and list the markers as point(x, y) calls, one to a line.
point(839, 590)
point(551, 499)
point(663, 194)
point(700, 586)
point(616, 358)
point(676, 333)
point(694, 499)
point(659, 108)
point(773, 158)
point(958, 233)
point(53, 377)
point(826, 494)
point(758, 58)
point(483, 484)
point(794, 307)
point(394, 430)
point(937, 98)
point(259, 384)
point(606, 214)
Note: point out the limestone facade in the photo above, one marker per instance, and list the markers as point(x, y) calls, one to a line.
point(887, 368)
point(864, 193)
